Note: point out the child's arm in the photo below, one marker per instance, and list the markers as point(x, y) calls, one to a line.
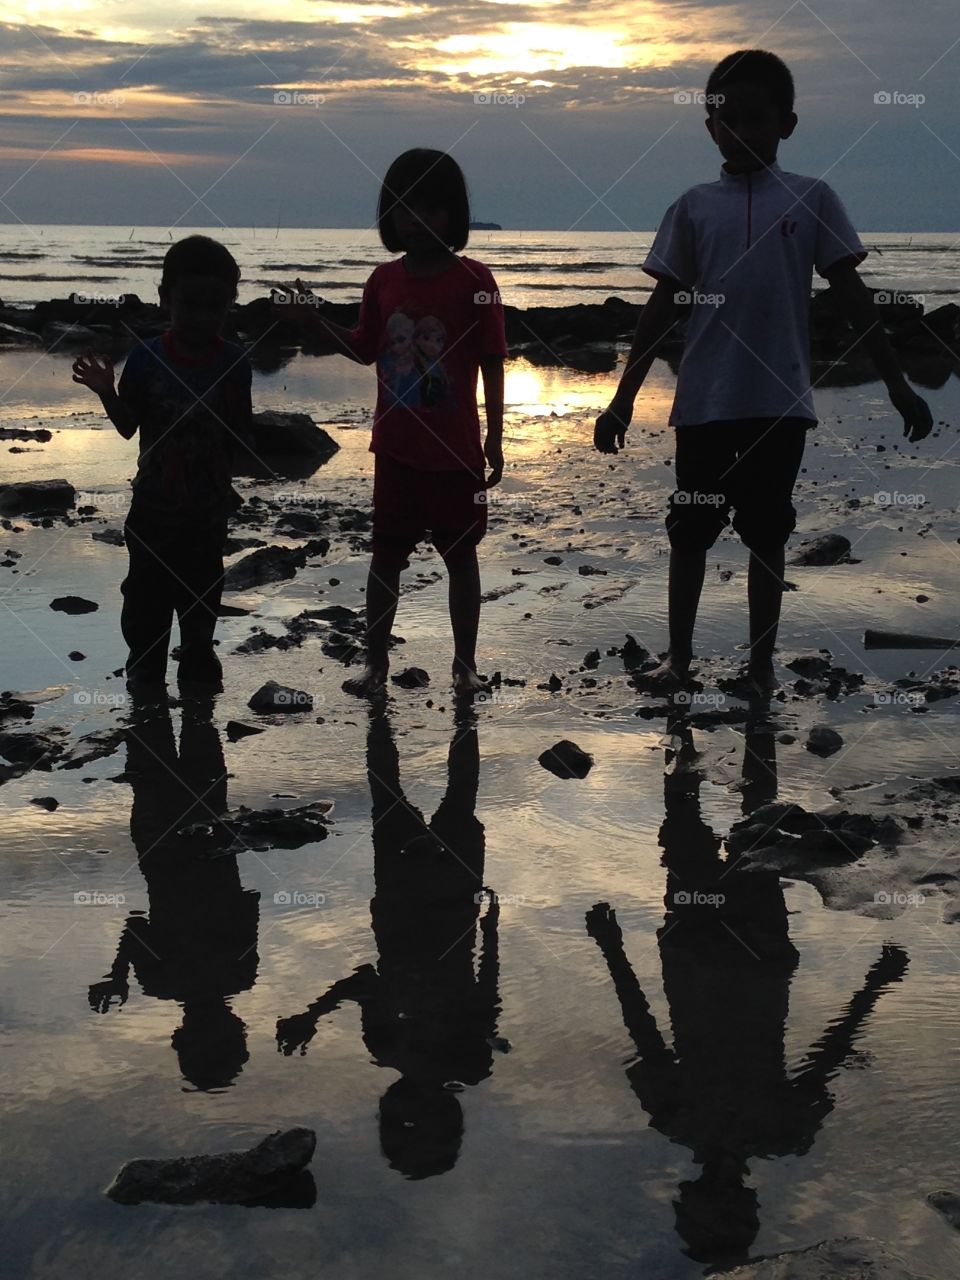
point(655, 322)
point(301, 307)
point(491, 371)
point(98, 376)
point(856, 303)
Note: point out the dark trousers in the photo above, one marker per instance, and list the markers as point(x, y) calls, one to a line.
point(172, 571)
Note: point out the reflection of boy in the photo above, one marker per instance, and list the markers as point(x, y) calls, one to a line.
point(397, 368)
point(429, 338)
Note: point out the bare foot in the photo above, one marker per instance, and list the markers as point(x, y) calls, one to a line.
point(760, 676)
point(371, 681)
point(672, 674)
point(467, 683)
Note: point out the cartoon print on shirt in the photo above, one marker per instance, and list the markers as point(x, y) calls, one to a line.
point(397, 368)
point(428, 342)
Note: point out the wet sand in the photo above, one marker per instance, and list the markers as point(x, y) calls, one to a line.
point(572, 1158)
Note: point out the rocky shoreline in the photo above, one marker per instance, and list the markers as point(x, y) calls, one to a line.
point(585, 337)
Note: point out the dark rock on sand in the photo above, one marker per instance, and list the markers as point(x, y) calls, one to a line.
point(38, 750)
point(46, 802)
point(114, 537)
point(261, 829)
point(94, 746)
point(272, 697)
point(40, 435)
point(12, 707)
point(846, 1258)
point(76, 656)
point(823, 741)
point(566, 760)
point(271, 564)
point(73, 604)
point(36, 495)
point(946, 1203)
point(633, 654)
point(288, 444)
point(832, 548)
point(412, 678)
point(233, 1177)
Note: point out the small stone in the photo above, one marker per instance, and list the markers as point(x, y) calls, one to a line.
point(566, 760)
point(412, 678)
point(823, 741)
point(46, 802)
point(73, 604)
point(272, 697)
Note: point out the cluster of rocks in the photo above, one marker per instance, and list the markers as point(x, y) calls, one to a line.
point(581, 336)
point(261, 829)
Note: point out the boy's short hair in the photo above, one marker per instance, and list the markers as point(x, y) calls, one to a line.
point(433, 177)
point(754, 66)
point(199, 256)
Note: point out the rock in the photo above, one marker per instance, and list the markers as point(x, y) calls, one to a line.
point(946, 1203)
point(633, 654)
point(237, 730)
point(271, 564)
point(591, 660)
point(13, 707)
point(566, 760)
point(234, 1177)
point(292, 442)
point(846, 1258)
point(36, 495)
point(412, 678)
point(262, 829)
point(273, 697)
point(814, 664)
point(46, 802)
point(73, 604)
point(94, 746)
point(41, 436)
point(76, 656)
point(38, 750)
point(588, 570)
point(832, 548)
point(112, 536)
point(823, 741)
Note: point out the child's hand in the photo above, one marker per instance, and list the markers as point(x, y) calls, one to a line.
point(97, 374)
point(917, 418)
point(297, 303)
point(602, 925)
point(493, 452)
point(611, 427)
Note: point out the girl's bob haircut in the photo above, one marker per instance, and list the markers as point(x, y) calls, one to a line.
point(432, 178)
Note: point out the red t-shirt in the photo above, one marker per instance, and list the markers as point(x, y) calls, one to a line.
point(427, 335)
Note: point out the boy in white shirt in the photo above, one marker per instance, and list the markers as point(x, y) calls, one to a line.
point(743, 250)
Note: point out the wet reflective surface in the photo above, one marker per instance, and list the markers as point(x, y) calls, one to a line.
point(529, 1035)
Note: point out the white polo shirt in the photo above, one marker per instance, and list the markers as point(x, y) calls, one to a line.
point(745, 249)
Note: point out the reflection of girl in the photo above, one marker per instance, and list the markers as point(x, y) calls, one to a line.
point(428, 341)
point(397, 368)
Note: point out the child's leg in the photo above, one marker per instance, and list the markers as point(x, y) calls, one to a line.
point(464, 600)
point(198, 587)
point(764, 594)
point(383, 591)
point(147, 611)
point(696, 517)
point(770, 456)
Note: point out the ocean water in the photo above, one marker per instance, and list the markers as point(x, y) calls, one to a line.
point(533, 268)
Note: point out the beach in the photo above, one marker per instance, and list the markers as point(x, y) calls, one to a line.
point(565, 1159)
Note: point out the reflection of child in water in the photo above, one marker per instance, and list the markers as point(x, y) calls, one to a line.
point(398, 369)
point(429, 338)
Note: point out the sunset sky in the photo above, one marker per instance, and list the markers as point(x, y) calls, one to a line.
point(126, 112)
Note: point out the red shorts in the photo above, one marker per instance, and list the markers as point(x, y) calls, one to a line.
point(409, 504)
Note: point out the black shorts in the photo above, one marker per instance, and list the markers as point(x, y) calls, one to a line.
point(748, 464)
